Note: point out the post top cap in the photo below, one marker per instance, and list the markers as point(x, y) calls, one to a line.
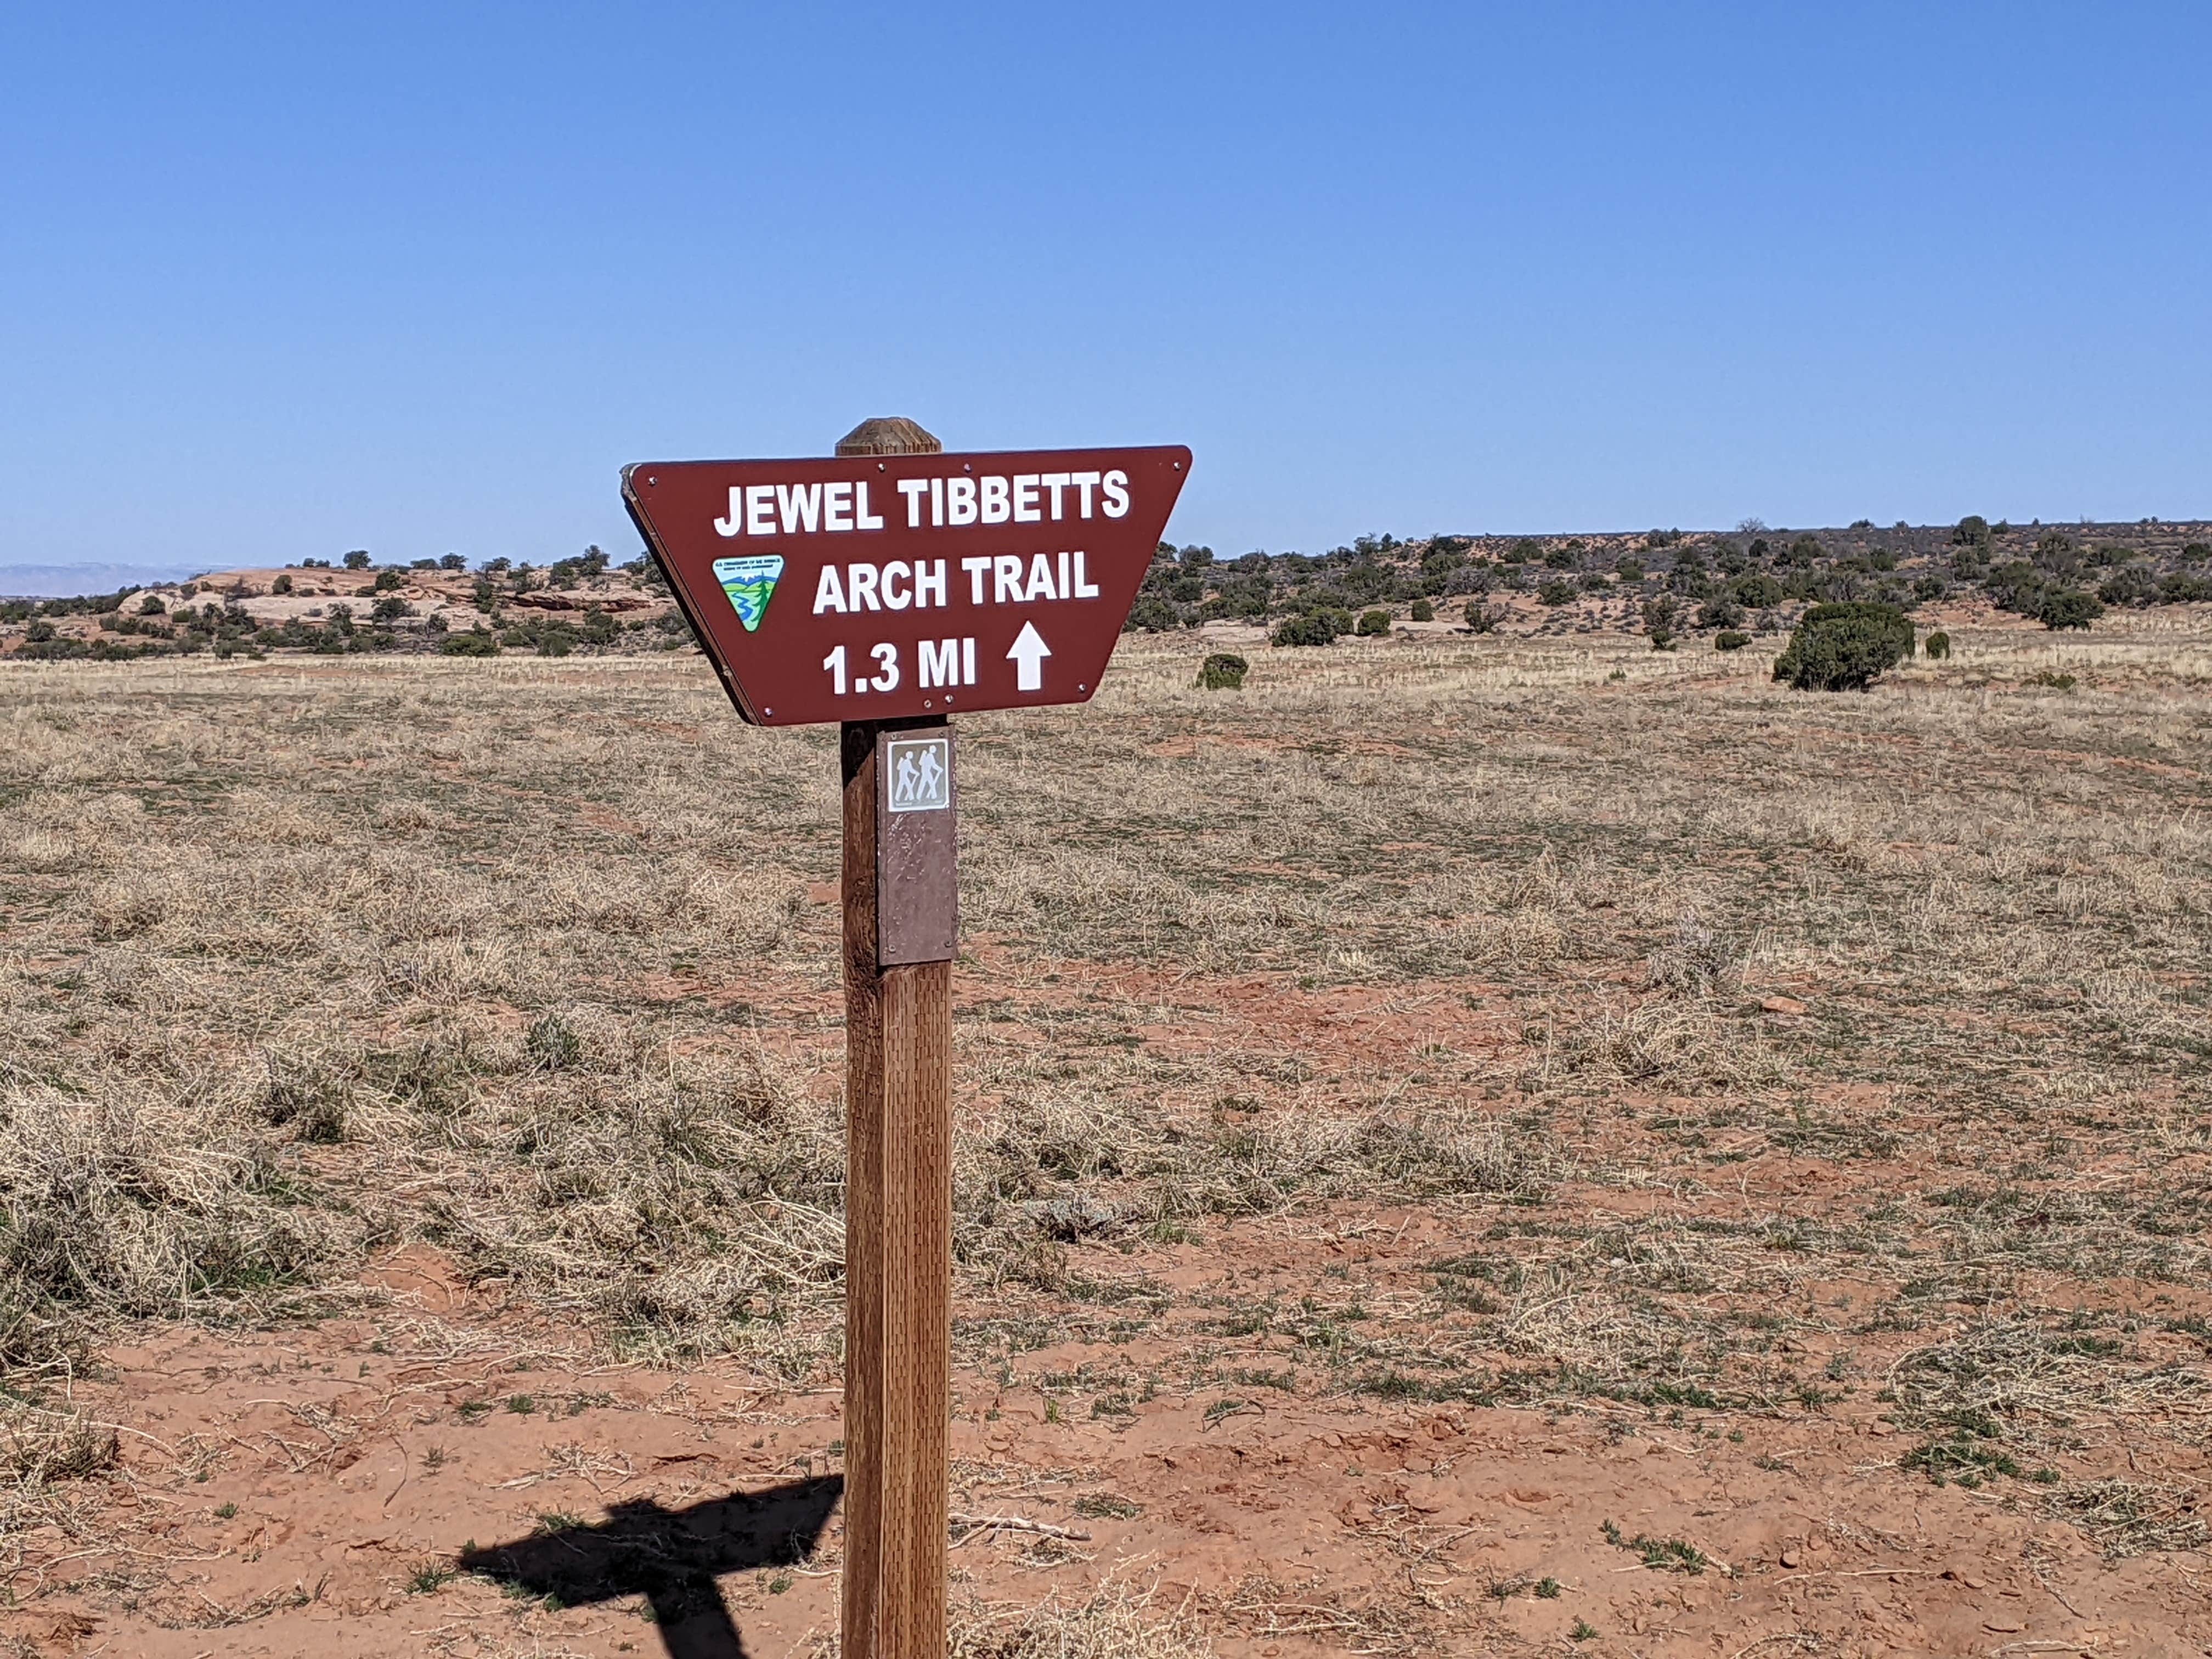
point(888, 434)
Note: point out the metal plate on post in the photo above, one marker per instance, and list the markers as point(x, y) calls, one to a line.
point(917, 845)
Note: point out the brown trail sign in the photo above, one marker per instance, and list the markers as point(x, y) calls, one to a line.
point(887, 589)
point(885, 585)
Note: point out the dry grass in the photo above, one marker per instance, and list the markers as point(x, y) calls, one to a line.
point(119, 1198)
point(2127, 1518)
point(1115, 1622)
point(520, 959)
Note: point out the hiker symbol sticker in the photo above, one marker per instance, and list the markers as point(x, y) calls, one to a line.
point(921, 775)
point(749, 582)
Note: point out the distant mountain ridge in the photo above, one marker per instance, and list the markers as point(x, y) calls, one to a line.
point(68, 581)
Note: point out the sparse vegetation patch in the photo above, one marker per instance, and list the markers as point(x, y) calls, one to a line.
point(1465, 1047)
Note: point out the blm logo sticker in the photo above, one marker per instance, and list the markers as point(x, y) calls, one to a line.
point(749, 582)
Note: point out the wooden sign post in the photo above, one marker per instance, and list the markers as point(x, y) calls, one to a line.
point(884, 589)
point(898, 1181)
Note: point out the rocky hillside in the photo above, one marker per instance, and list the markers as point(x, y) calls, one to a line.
point(576, 605)
point(1665, 584)
point(1669, 584)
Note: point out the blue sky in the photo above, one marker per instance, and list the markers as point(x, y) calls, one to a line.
point(280, 282)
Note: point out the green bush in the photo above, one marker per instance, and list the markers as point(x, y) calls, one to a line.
point(1844, 647)
point(1722, 613)
point(1152, 615)
point(1556, 593)
point(2066, 607)
point(2017, 586)
point(53, 650)
point(1224, 670)
point(1478, 618)
point(1973, 531)
point(476, 642)
point(1939, 647)
point(1629, 570)
point(1422, 611)
point(390, 608)
point(2179, 587)
point(1728, 640)
point(1320, 626)
point(1372, 622)
point(281, 585)
point(1759, 591)
point(2131, 584)
point(387, 581)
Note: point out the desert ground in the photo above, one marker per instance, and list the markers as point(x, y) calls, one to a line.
point(1467, 1145)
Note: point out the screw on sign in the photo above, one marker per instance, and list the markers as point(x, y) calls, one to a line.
point(887, 589)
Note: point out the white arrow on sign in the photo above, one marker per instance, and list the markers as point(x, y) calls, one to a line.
point(1027, 654)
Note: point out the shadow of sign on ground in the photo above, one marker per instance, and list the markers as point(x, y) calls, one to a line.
point(671, 1558)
